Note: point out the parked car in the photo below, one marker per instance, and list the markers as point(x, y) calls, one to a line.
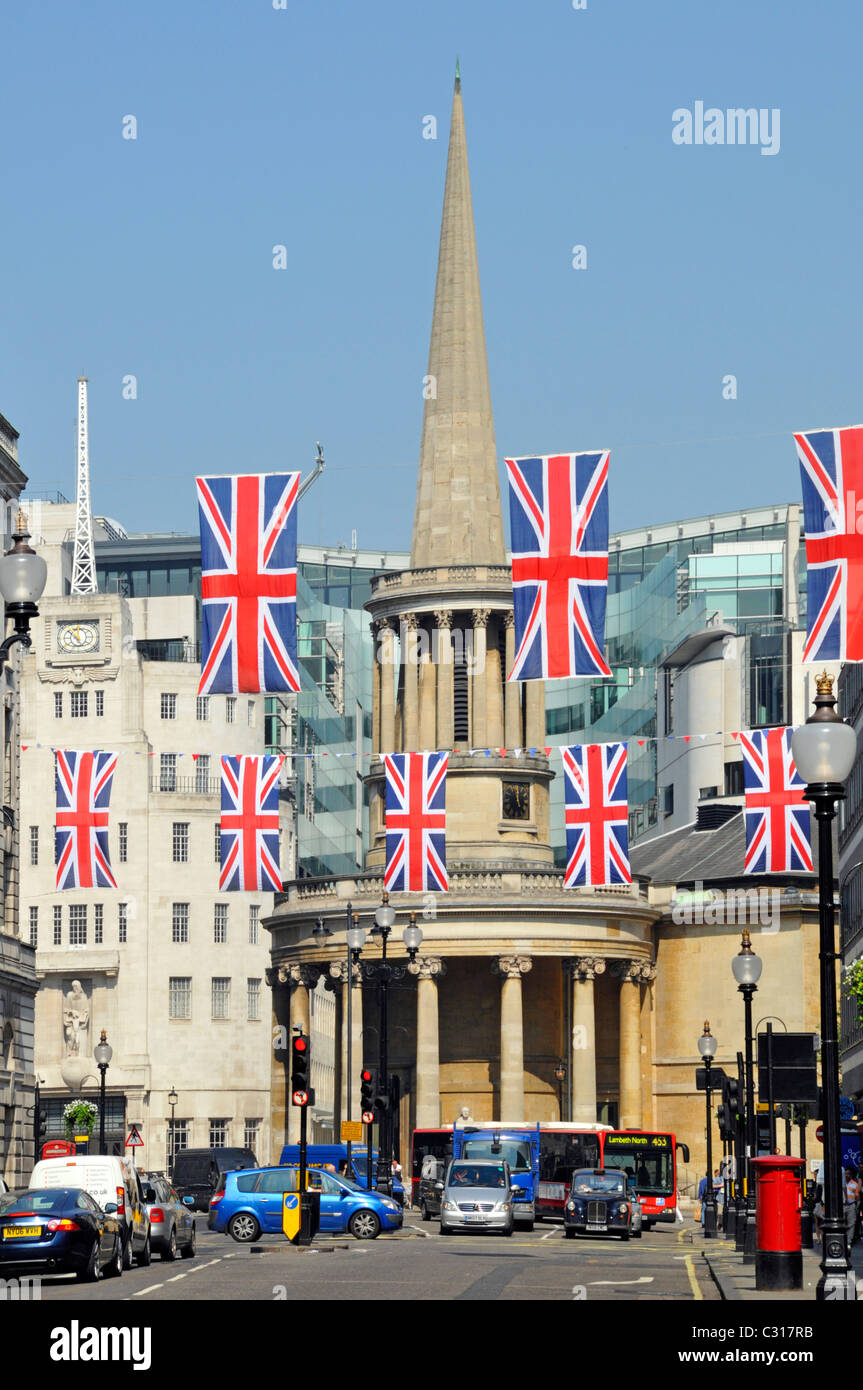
point(477, 1195)
point(431, 1187)
point(249, 1204)
point(599, 1203)
point(108, 1179)
point(60, 1230)
point(198, 1173)
point(172, 1225)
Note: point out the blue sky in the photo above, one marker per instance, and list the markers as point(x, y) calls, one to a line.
point(303, 127)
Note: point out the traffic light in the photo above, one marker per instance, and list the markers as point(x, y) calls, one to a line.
point(43, 1123)
point(301, 1092)
point(368, 1088)
point(726, 1127)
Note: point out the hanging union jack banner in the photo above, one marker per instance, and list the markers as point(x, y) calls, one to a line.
point(416, 822)
point(83, 797)
point(249, 582)
point(249, 825)
point(558, 508)
point(831, 469)
point(776, 814)
point(597, 834)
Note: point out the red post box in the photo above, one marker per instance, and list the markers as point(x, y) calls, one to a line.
point(779, 1258)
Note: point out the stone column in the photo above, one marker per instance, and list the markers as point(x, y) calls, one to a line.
point(388, 689)
point(304, 978)
point(534, 715)
point(584, 971)
point(630, 974)
point(427, 716)
point(280, 1061)
point(511, 968)
point(511, 689)
point(648, 974)
point(428, 969)
point(445, 730)
point(339, 974)
point(409, 624)
point(377, 628)
point(478, 681)
point(494, 696)
point(333, 987)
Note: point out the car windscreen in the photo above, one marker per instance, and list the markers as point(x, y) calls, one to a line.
point(477, 1175)
point(46, 1199)
point(599, 1184)
point(515, 1152)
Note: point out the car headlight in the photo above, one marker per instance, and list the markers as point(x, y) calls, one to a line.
point(570, 1206)
point(623, 1208)
point(502, 1206)
point(450, 1206)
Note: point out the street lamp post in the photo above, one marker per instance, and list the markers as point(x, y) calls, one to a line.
point(746, 968)
point(172, 1101)
point(707, 1048)
point(560, 1078)
point(355, 936)
point(824, 750)
point(23, 575)
point(102, 1053)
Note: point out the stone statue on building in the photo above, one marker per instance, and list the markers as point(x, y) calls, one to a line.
point(464, 1117)
point(76, 1020)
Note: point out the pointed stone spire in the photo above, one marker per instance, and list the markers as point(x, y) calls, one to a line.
point(458, 516)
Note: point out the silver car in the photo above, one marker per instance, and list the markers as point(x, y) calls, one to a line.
point(477, 1196)
point(172, 1225)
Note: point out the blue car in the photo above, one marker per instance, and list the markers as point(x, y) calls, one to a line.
point(249, 1205)
point(334, 1156)
point(60, 1230)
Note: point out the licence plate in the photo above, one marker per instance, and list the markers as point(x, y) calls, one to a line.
point(596, 1226)
point(474, 1216)
point(22, 1232)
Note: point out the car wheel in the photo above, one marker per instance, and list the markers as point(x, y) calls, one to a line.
point(189, 1250)
point(624, 1235)
point(526, 1225)
point(92, 1269)
point(170, 1251)
point(648, 1226)
point(114, 1268)
point(127, 1252)
point(364, 1225)
point(145, 1256)
point(569, 1232)
point(424, 1213)
point(244, 1228)
point(636, 1235)
point(509, 1230)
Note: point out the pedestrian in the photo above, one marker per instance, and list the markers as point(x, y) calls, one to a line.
point(700, 1200)
point(852, 1197)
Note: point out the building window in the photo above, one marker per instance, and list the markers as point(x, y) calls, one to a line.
point(78, 700)
point(254, 923)
point(169, 706)
point(77, 924)
point(252, 1135)
point(98, 923)
point(34, 844)
point(180, 996)
point(734, 778)
point(180, 843)
point(202, 708)
point(178, 1139)
point(218, 842)
point(220, 924)
point(221, 993)
point(230, 709)
point(219, 1134)
point(202, 773)
point(168, 772)
point(58, 704)
point(58, 926)
point(123, 830)
point(180, 922)
point(99, 697)
point(668, 698)
point(251, 714)
point(34, 926)
point(253, 995)
point(122, 923)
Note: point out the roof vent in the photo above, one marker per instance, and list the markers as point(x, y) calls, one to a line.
point(714, 814)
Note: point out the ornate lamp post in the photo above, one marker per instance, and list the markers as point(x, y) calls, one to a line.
point(172, 1101)
point(707, 1048)
point(746, 968)
point(102, 1053)
point(23, 575)
point(560, 1078)
point(824, 751)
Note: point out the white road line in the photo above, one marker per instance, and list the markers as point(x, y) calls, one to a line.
point(548, 1234)
point(645, 1279)
point(175, 1278)
point(149, 1289)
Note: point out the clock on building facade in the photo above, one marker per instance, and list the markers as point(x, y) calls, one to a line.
point(516, 800)
point(78, 638)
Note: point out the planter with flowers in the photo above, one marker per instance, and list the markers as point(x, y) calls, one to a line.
point(80, 1117)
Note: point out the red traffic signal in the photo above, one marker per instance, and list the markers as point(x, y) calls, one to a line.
point(300, 1090)
point(301, 1044)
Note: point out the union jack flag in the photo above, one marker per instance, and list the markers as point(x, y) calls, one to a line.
point(249, 582)
point(775, 811)
point(558, 506)
point(416, 822)
point(831, 469)
point(83, 796)
point(597, 834)
point(250, 825)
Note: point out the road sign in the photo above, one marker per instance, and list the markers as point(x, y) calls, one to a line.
point(291, 1214)
point(300, 1098)
point(793, 1059)
point(368, 1117)
point(846, 1108)
point(717, 1078)
point(352, 1130)
point(819, 1134)
point(133, 1139)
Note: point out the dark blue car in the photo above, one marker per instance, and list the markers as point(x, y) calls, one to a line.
point(59, 1230)
point(250, 1204)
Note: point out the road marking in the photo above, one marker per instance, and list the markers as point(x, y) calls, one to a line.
point(175, 1278)
point(696, 1291)
point(644, 1279)
point(548, 1234)
point(149, 1289)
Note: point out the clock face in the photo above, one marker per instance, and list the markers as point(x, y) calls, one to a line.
point(75, 639)
point(516, 801)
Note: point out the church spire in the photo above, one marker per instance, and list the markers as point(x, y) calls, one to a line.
point(458, 516)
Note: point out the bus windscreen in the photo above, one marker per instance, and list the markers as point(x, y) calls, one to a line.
point(512, 1151)
point(647, 1159)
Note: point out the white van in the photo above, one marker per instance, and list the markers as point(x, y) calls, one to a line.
point(107, 1178)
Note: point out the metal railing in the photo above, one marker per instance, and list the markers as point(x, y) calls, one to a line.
point(187, 786)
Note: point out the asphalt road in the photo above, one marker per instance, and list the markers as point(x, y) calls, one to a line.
point(415, 1264)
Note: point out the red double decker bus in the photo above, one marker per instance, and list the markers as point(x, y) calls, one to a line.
point(648, 1156)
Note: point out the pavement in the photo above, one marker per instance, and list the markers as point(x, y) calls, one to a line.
point(736, 1280)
